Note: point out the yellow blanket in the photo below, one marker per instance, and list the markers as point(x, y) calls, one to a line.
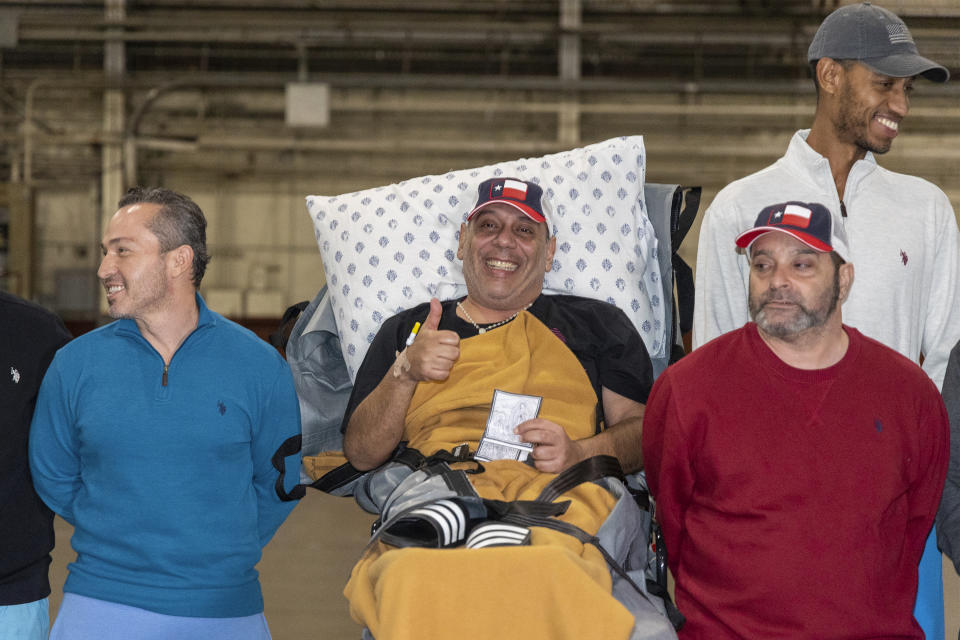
point(521, 357)
point(557, 588)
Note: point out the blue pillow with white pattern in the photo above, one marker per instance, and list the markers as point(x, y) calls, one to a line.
point(390, 248)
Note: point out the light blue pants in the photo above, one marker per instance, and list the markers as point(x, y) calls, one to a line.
point(929, 607)
point(30, 621)
point(82, 618)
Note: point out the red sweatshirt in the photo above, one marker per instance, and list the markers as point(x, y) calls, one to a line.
point(795, 503)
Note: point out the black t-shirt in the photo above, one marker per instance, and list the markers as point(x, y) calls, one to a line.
point(29, 336)
point(599, 334)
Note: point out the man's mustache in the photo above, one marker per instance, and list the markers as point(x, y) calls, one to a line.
point(777, 297)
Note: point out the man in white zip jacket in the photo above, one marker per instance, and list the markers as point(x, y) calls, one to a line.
point(902, 229)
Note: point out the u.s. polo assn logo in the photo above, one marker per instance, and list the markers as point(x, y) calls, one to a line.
point(14, 375)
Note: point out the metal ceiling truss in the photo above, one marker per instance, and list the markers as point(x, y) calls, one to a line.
point(142, 80)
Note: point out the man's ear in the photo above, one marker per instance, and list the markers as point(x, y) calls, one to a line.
point(180, 261)
point(846, 280)
point(463, 234)
point(830, 76)
point(551, 249)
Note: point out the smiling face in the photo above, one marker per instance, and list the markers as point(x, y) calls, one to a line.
point(794, 288)
point(505, 256)
point(133, 271)
point(870, 107)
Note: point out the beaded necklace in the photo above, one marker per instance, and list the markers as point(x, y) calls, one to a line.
point(492, 326)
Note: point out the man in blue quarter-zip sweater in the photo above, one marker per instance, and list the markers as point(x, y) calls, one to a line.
point(155, 437)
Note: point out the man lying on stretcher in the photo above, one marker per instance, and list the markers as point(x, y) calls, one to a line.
point(472, 374)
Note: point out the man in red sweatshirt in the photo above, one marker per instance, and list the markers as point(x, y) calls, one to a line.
point(797, 464)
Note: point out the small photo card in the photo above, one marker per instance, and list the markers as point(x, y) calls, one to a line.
point(507, 410)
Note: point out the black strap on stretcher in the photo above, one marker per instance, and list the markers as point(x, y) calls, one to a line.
point(587, 470)
point(281, 335)
point(683, 213)
point(347, 473)
point(290, 446)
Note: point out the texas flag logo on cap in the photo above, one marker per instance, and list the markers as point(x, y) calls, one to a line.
point(519, 194)
point(793, 215)
point(513, 189)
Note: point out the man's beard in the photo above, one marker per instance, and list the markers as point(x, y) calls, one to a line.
point(803, 318)
point(148, 294)
point(849, 127)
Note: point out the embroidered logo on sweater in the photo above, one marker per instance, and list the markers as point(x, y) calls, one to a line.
point(222, 408)
point(14, 375)
point(878, 425)
point(903, 257)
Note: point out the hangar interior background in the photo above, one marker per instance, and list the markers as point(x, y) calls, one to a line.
point(250, 105)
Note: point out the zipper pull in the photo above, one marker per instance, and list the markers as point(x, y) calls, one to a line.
point(843, 209)
point(166, 368)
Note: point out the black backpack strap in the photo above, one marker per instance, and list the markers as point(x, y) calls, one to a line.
point(500, 509)
point(280, 337)
point(460, 453)
point(686, 204)
point(673, 613)
point(336, 478)
point(289, 447)
point(347, 473)
point(587, 470)
point(683, 279)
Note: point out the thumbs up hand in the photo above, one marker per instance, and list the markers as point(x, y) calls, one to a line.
point(433, 352)
point(433, 318)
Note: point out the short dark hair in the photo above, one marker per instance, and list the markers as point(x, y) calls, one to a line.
point(178, 222)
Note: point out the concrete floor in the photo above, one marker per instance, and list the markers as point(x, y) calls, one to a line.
point(308, 562)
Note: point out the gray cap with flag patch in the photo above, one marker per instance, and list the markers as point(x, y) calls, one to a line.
point(875, 37)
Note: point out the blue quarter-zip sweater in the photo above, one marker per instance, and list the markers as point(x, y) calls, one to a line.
point(165, 472)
